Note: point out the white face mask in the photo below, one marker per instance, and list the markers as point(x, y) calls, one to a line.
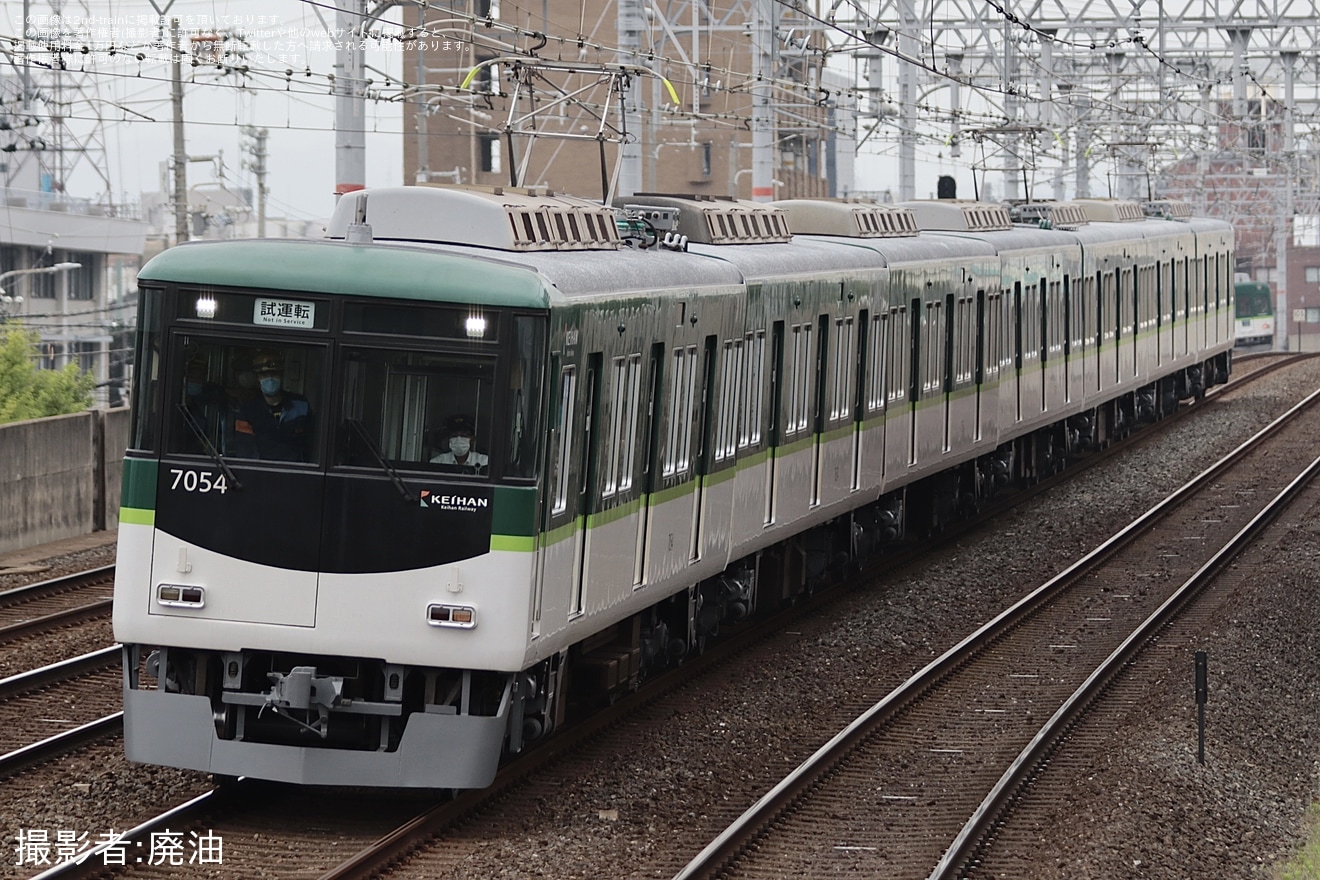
point(460, 445)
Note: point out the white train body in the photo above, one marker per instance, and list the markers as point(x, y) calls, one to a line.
point(673, 435)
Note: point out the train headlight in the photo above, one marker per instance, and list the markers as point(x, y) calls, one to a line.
point(459, 616)
point(475, 326)
point(177, 596)
point(206, 307)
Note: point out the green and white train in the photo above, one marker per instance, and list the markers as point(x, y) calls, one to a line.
point(397, 499)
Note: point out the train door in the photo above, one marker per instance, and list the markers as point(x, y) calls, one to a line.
point(896, 386)
point(1018, 343)
point(243, 480)
point(918, 321)
point(649, 458)
point(818, 413)
point(586, 469)
point(1132, 320)
point(1183, 318)
point(864, 363)
point(1163, 315)
point(1043, 342)
point(949, 365)
point(1069, 334)
point(703, 443)
point(558, 551)
point(982, 355)
point(775, 430)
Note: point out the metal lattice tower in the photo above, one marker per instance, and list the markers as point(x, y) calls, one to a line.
point(44, 147)
point(1210, 102)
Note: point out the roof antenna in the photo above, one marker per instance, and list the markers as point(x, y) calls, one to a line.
point(359, 231)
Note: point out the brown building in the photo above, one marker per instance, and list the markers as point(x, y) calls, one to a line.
point(702, 143)
point(1303, 296)
point(1238, 180)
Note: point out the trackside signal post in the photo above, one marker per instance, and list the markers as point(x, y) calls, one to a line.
point(1202, 690)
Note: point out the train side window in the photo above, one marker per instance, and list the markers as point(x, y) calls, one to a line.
point(526, 375)
point(844, 357)
point(563, 421)
point(726, 413)
point(146, 372)
point(675, 412)
point(899, 333)
point(682, 402)
point(628, 425)
point(875, 363)
point(751, 391)
point(693, 401)
point(612, 428)
point(804, 379)
point(621, 433)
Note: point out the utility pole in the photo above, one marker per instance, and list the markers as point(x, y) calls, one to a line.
point(630, 22)
point(908, 24)
point(350, 103)
point(180, 155)
point(258, 167)
point(763, 118)
point(1283, 236)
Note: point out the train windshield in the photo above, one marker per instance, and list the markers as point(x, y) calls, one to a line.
point(434, 388)
point(442, 407)
point(247, 400)
point(417, 408)
point(1253, 300)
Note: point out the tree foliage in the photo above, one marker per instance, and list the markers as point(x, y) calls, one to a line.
point(29, 392)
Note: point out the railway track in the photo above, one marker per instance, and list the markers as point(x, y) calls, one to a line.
point(916, 786)
point(57, 708)
point(59, 602)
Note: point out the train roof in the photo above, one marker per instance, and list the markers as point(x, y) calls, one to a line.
point(848, 218)
point(896, 252)
point(598, 272)
point(518, 220)
point(805, 256)
point(378, 270)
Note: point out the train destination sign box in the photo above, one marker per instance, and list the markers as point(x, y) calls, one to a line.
point(283, 313)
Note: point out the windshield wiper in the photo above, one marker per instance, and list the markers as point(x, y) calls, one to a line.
point(193, 425)
point(380, 457)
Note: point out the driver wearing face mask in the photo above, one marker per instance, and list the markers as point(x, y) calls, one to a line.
point(275, 425)
point(460, 451)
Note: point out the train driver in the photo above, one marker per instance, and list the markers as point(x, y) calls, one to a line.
point(462, 437)
point(274, 425)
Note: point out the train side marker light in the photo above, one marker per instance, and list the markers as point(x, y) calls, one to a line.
point(459, 616)
point(175, 596)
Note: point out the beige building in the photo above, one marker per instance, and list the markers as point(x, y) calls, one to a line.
point(701, 143)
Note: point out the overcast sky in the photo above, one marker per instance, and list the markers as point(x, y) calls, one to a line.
point(131, 98)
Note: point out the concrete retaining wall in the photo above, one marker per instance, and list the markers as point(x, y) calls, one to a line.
point(60, 477)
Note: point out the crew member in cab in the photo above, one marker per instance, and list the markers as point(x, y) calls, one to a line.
point(462, 438)
point(275, 424)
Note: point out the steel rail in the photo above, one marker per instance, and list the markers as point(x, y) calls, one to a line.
point(724, 848)
point(1028, 763)
point(61, 671)
point(61, 743)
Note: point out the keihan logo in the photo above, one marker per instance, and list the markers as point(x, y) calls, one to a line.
point(465, 503)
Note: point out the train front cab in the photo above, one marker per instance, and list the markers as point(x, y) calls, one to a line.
point(337, 603)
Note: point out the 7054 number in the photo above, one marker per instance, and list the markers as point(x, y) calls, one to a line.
point(198, 481)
